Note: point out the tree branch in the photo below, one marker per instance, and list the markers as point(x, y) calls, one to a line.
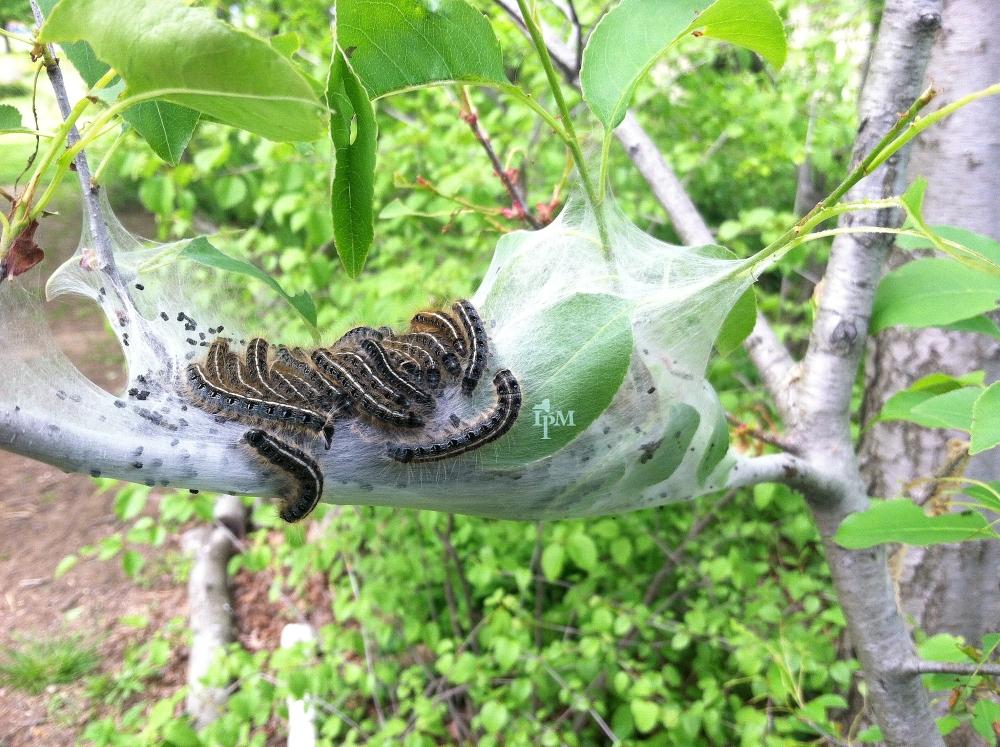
point(90, 192)
point(919, 666)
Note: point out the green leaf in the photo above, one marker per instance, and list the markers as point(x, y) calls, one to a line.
point(633, 35)
point(204, 63)
point(644, 714)
point(657, 462)
point(913, 203)
point(985, 245)
point(65, 566)
point(352, 191)
point(582, 551)
point(950, 410)
point(132, 563)
point(986, 719)
point(903, 521)
point(493, 716)
point(900, 405)
point(988, 497)
point(411, 43)
point(718, 447)
point(130, 502)
point(230, 191)
point(980, 325)
point(10, 118)
point(166, 127)
point(930, 292)
point(287, 43)
point(201, 250)
point(986, 420)
point(738, 325)
point(553, 559)
point(573, 360)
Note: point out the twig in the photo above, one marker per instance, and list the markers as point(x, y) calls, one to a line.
point(920, 666)
point(771, 439)
point(471, 118)
point(450, 553)
point(366, 644)
point(102, 236)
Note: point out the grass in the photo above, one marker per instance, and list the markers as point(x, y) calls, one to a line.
point(34, 665)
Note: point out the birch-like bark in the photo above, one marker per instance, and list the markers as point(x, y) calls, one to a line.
point(822, 422)
point(946, 588)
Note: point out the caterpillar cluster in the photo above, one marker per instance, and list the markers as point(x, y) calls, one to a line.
point(391, 381)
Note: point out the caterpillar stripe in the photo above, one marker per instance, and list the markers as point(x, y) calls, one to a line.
point(356, 391)
point(257, 367)
point(494, 425)
point(377, 355)
point(366, 376)
point(433, 345)
point(241, 405)
point(428, 365)
point(298, 466)
point(475, 332)
point(441, 321)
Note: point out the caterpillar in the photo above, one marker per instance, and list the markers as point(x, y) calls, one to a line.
point(298, 466)
point(285, 396)
point(491, 427)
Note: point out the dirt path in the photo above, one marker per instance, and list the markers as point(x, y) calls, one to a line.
point(46, 515)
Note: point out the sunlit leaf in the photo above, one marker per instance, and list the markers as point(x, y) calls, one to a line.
point(950, 410)
point(986, 420)
point(634, 34)
point(928, 292)
point(353, 188)
point(195, 60)
point(411, 43)
point(10, 118)
point(903, 521)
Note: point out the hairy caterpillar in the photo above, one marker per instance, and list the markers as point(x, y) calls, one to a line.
point(287, 396)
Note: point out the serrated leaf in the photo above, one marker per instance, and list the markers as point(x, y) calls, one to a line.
point(903, 521)
point(411, 43)
point(352, 191)
point(196, 61)
point(930, 292)
point(629, 39)
point(986, 420)
point(166, 127)
point(202, 251)
point(10, 118)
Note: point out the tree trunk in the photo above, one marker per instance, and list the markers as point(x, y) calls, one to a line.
point(947, 588)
